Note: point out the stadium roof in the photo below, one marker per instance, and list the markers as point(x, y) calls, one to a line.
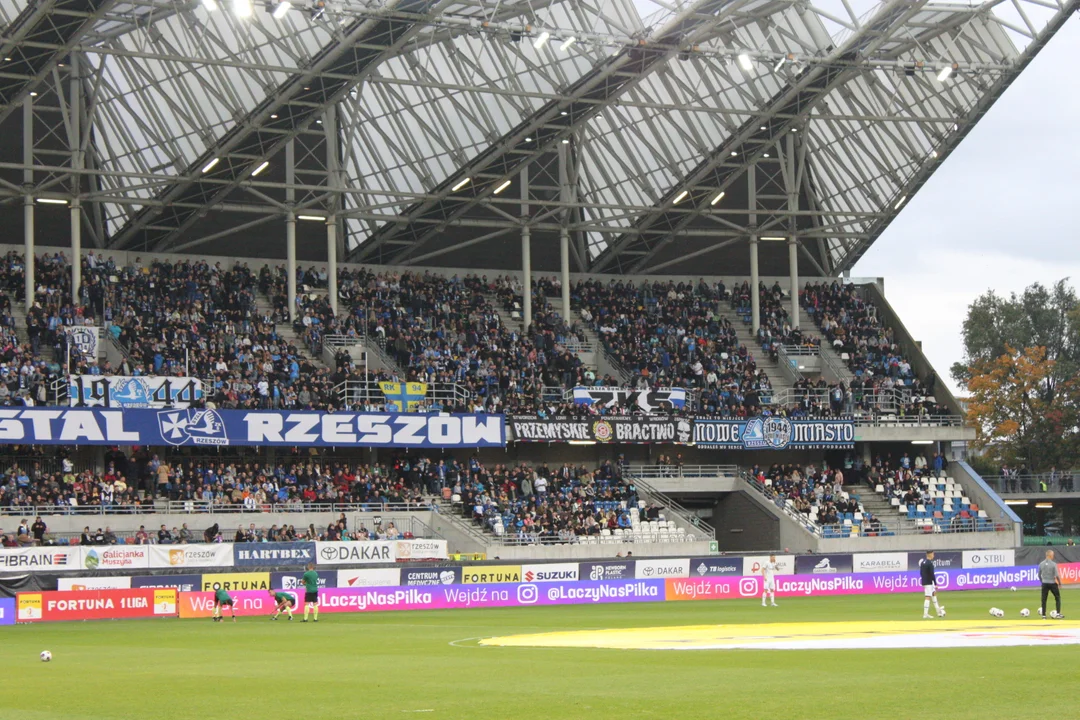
point(661, 136)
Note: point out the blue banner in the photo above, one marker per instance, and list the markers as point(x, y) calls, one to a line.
point(773, 433)
point(274, 554)
point(7, 611)
point(215, 428)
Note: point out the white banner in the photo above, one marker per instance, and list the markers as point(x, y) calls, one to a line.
point(115, 557)
point(752, 564)
point(653, 569)
point(94, 583)
point(989, 558)
point(552, 572)
point(373, 577)
point(44, 559)
point(420, 549)
point(879, 562)
point(356, 553)
point(83, 339)
point(115, 391)
point(191, 556)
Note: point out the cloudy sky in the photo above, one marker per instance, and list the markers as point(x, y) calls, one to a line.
point(1002, 212)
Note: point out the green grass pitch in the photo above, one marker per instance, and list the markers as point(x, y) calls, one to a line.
point(396, 665)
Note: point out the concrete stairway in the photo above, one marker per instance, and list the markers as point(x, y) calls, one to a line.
point(778, 378)
point(265, 308)
point(806, 323)
point(886, 514)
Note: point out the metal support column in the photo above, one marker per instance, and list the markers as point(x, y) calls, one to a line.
point(755, 278)
point(333, 171)
point(793, 241)
point(526, 251)
point(28, 200)
point(331, 261)
point(290, 227)
point(793, 267)
point(75, 142)
point(564, 233)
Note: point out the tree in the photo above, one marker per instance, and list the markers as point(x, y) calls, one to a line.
point(1017, 420)
point(1039, 317)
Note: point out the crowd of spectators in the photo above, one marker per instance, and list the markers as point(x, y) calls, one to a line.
point(774, 322)
point(136, 480)
point(35, 534)
point(670, 334)
point(817, 493)
point(542, 504)
point(851, 325)
point(192, 318)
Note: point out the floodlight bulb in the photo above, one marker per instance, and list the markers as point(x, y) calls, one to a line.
point(282, 9)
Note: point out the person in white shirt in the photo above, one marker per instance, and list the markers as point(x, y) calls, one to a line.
point(768, 584)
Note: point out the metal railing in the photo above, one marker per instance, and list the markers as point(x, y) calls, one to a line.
point(650, 494)
point(578, 346)
point(343, 341)
point(1033, 483)
point(803, 350)
point(658, 472)
point(406, 524)
point(354, 392)
point(197, 507)
point(882, 406)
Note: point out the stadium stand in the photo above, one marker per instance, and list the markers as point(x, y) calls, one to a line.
point(670, 334)
point(570, 504)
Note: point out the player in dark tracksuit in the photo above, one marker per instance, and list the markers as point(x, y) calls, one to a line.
point(929, 584)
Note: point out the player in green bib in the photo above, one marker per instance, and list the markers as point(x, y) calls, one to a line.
point(310, 580)
point(221, 598)
point(284, 601)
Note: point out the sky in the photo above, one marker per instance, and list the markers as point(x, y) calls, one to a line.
point(1002, 212)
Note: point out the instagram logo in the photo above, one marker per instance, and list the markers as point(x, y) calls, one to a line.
point(527, 594)
point(748, 586)
point(941, 580)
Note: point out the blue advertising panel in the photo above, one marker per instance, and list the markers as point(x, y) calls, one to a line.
point(291, 580)
point(7, 611)
point(274, 554)
point(773, 433)
point(216, 428)
point(183, 583)
point(716, 565)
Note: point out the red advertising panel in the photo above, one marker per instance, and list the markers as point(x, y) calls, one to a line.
point(95, 605)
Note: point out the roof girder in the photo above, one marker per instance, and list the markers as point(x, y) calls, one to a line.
point(296, 103)
point(550, 124)
point(58, 25)
point(793, 104)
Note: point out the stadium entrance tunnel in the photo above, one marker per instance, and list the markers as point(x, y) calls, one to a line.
point(862, 635)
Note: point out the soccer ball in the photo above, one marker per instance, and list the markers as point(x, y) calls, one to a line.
point(46, 656)
point(1013, 588)
point(1055, 614)
point(941, 611)
point(997, 612)
point(1025, 613)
